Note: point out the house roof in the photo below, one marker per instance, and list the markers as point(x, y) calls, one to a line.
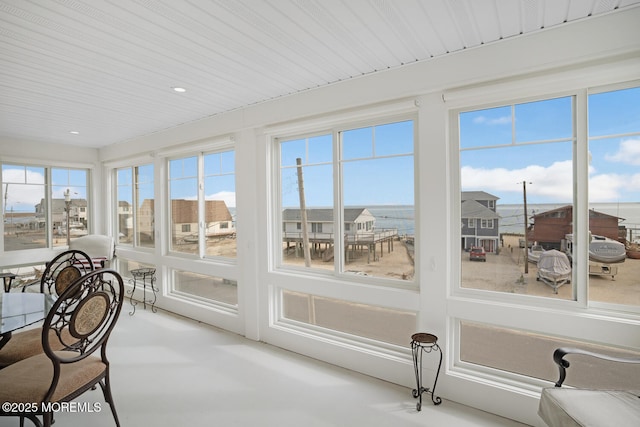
point(323, 214)
point(477, 195)
point(569, 209)
point(473, 209)
point(186, 211)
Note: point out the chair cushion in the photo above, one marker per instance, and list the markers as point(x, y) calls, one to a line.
point(95, 245)
point(567, 407)
point(29, 380)
point(25, 344)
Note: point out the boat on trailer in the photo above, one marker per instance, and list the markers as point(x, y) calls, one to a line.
point(554, 269)
point(534, 253)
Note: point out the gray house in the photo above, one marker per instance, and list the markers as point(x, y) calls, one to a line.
point(479, 220)
point(357, 221)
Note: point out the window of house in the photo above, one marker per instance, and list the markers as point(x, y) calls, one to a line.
point(306, 186)
point(206, 288)
point(136, 206)
point(43, 206)
point(377, 171)
point(514, 156)
point(220, 204)
point(183, 199)
point(369, 235)
point(202, 197)
point(375, 223)
point(614, 193)
point(528, 158)
point(382, 324)
point(486, 223)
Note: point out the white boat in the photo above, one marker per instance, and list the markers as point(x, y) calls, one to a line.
point(534, 253)
point(601, 249)
point(554, 269)
point(607, 251)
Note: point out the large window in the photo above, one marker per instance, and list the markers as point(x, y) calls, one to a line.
point(527, 168)
point(306, 170)
point(516, 177)
point(521, 157)
point(202, 200)
point(136, 206)
point(372, 232)
point(42, 206)
point(347, 208)
point(614, 196)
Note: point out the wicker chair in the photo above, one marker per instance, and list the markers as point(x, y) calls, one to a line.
point(567, 407)
point(88, 310)
point(60, 272)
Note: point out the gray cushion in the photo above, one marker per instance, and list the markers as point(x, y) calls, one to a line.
point(567, 407)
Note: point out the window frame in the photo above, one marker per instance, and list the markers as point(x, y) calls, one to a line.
point(334, 128)
point(580, 160)
point(199, 153)
point(48, 198)
point(134, 209)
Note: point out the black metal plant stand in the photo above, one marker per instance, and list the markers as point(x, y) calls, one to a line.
point(424, 343)
point(148, 277)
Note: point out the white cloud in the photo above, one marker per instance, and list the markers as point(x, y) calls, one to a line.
point(551, 184)
point(628, 153)
point(18, 195)
point(606, 187)
point(504, 120)
point(228, 197)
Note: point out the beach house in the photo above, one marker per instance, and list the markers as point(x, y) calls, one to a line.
point(549, 228)
point(480, 221)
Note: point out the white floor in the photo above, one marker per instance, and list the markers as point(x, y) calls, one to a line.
point(171, 371)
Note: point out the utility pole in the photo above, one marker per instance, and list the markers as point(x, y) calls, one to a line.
point(526, 226)
point(67, 203)
point(303, 213)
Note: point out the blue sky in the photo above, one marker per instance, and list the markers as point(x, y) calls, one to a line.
point(24, 187)
point(614, 168)
point(219, 177)
point(377, 162)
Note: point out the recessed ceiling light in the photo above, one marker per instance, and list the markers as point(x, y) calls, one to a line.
point(74, 132)
point(179, 89)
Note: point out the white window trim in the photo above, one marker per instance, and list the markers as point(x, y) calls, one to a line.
point(581, 319)
point(198, 150)
point(395, 112)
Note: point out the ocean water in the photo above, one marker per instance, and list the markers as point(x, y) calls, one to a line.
point(511, 216)
point(400, 217)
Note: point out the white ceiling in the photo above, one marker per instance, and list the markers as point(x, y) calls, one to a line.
point(106, 68)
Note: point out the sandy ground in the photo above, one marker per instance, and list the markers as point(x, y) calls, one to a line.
point(396, 263)
point(506, 273)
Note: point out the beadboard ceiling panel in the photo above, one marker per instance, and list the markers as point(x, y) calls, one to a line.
point(106, 69)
